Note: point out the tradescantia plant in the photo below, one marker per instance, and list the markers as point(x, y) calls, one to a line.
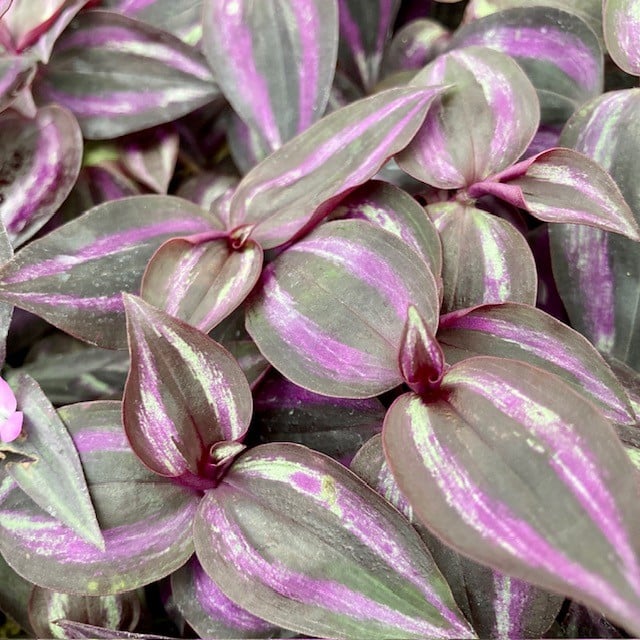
point(318, 318)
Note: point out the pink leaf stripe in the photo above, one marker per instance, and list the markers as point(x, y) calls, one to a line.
point(144, 541)
point(522, 332)
point(162, 78)
point(352, 588)
point(621, 23)
point(485, 258)
point(208, 611)
point(498, 606)
point(547, 42)
point(74, 276)
point(365, 26)
point(201, 281)
point(284, 193)
point(461, 455)
point(273, 60)
point(322, 316)
point(40, 162)
point(184, 394)
point(481, 126)
point(562, 185)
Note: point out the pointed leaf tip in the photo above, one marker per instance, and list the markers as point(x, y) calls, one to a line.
point(54, 479)
point(421, 358)
point(184, 394)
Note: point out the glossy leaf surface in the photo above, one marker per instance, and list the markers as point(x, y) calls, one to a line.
point(146, 521)
point(590, 11)
point(337, 560)
point(498, 606)
point(394, 210)
point(561, 185)
point(45, 464)
point(601, 294)
point(511, 440)
point(184, 393)
point(208, 611)
point(40, 160)
point(521, 332)
point(365, 26)
point(485, 259)
point(480, 126)
point(16, 72)
point(558, 51)
point(329, 312)
point(201, 281)
point(414, 46)
point(150, 157)
point(274, 61)
point(183, 20)
point(284, 193)
point(112, 612)
point(74, 276)
point(621, 23)
point(421, 358)
point(119, 75)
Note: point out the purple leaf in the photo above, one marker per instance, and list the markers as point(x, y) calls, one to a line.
point(208, 611)
point(205, 188)
point(329, 311)
point(515, 469)
point(477, 128)
point(365, 26)
point(390, 208)
point(497, 605)
point(150, 157)
point(562, 185)
point(45, 464)
point(74, 276)
point(146, 520)
point(40, 160)
point(183, 20)
point(414, 46)
point(485, 259)
point(113, 612)
point(621, 24)
point(521, 332)
point(32, 28)
point(16, 73)
point(590, 11)
point(119, 75)
point(201, 281)
point(336, 559)
point(337, 427)
point(421, 358)
point(274, 61)
point(559, 52)
point(601, 294)
point(284, 193)
point(184, 394)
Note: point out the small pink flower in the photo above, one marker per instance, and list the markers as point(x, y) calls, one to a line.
point(10, 419)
